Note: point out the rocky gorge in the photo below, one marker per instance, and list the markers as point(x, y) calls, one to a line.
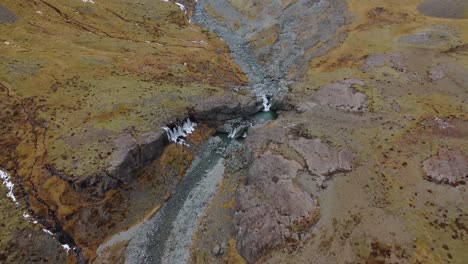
point(363, 158)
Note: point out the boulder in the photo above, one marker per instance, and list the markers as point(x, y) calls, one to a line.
point(447, 167)
point(6, 16)
point(341, 95)
point(321, 159)
point(131, 154)
point(225, 106)
point(271, 209)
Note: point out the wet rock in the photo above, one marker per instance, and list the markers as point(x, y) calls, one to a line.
point(341, 95)
point(235, 128)
point(447, 167)
point(321, 159)
point(271, 209)
point(6, 16)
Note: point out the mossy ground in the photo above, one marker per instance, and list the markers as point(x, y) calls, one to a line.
point(74, 76)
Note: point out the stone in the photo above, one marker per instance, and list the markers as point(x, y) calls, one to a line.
point(445, 9)
point(340, 95)
point(271, 209)
point(321, 159)
point(225, 106)
point(438, 72)
point(218, 250)
point(6, 16)
point(259, 136)
point(447, 167)
point(395, 60)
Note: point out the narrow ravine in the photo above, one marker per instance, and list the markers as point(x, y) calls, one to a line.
point(166, 237)
point(188, 200)
point(262, 82)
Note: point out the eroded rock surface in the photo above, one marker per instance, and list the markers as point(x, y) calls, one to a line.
point(271, 209)
point(448, 167)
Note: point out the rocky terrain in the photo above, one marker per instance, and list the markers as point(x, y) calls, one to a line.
point(364, 160)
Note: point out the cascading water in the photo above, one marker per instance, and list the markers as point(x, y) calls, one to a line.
point(266, 103)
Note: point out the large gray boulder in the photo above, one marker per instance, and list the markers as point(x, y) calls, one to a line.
point(271, 209)
point(323, 160)
point(447, 167)
point(6, 16)
point(341, 95)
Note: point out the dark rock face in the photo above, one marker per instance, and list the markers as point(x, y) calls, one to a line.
point(447, 167)
point(132, 153)
point(225, 106)
point(271, 209)
point(341, 96)
point(6, 16)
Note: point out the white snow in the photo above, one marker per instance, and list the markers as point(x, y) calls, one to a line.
point(47, 231)
point(88, 1)
point(66, 247)
point(181, 6)
point(177, 133)
point(7, 182)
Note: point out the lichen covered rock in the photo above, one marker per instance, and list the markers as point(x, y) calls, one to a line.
point(341, 95)
point(447, 167)
point(321, 159)
point(271, 209)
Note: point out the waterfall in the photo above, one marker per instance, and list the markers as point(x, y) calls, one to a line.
point(266, 104)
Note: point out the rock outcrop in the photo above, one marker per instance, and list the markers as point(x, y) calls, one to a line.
point(271, 209)
point(321, 159)
point(132, 153)
point(6, 16)
point(226, 106)
point(341, 95)
point(447, 167)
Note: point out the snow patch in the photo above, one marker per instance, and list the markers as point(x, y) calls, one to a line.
point(177, 133)
point(48, 231)
point(181, 6)
point(7, 182)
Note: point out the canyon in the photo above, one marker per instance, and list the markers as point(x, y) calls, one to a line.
point(234, 131)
